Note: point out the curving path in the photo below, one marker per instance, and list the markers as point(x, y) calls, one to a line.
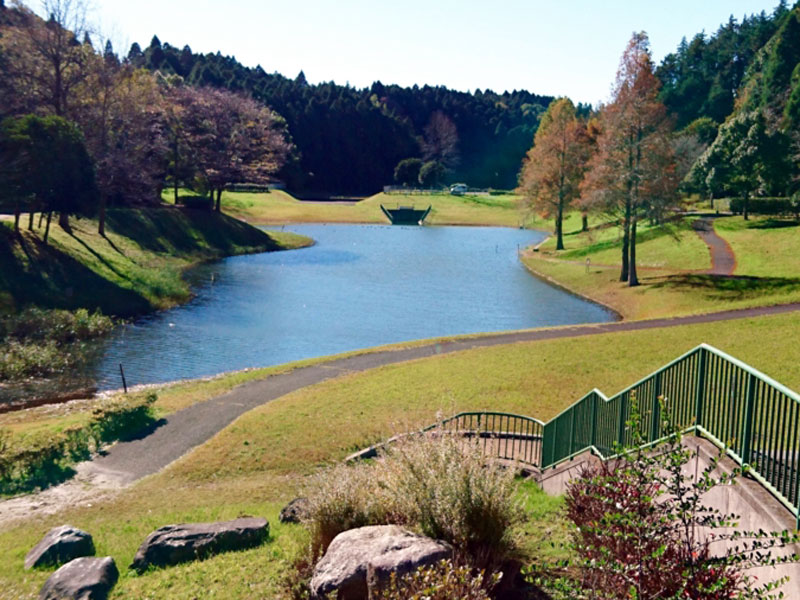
point(723, 260)
point(126, 462)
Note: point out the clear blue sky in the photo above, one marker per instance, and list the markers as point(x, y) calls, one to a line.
point(549, 47)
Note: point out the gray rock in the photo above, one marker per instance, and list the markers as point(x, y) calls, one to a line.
point(58, 546)
point(294, 511)
point(85, 578)
point(378, 550)
point(175, 544)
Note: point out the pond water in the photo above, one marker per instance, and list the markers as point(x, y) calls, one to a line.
point(359, 286)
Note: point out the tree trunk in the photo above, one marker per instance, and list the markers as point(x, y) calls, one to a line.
point(47, 229)
point(560, 227)
point(41, 218)
point(218, 206)
point(633, 279)
point(101, 219)
point(63, 221)
point(626, 230)
point(745, 207)
point(584, 222)
point(30, 220)
point(175, 170)
point(17, 212)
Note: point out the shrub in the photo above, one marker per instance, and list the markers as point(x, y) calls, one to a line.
point(60, 326)
point(342, 498)
point(440, 485)
point(442, 581)
point(642, 530)
point(115, 418)
point(40, 460)
point(768, 206)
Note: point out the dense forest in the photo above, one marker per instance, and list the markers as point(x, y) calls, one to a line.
point(350, 140)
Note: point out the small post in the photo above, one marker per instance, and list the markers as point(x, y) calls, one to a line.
point(655, 424)
point(621, 419)
point(571, 431)
point(747, 426)
point(595, 400)
point(124, 383)
point(699, 397)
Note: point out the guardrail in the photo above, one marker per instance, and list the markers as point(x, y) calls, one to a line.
point(755, 419)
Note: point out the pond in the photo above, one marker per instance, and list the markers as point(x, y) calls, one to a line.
point(358, 286)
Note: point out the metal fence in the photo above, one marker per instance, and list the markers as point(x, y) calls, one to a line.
point(755, 419)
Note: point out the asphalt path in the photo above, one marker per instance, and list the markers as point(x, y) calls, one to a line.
point(181, 431)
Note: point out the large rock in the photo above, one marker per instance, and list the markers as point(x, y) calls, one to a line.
point(294, 511)
point(379, 550)
point(175, 544)
point(85, 578)
point(58, 546)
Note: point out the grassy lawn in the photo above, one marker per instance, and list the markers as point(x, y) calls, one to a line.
point(764, 246)
point(278, 206)
point(136, 268)
point(265, 457)
point(671, 268)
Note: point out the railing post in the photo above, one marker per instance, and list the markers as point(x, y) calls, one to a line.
point(593, 438)
point(700, 386)
point(571, 431)
point(655, 421)
point(747, 426)
point(621, 420)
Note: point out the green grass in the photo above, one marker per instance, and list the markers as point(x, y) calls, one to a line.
point(265, 457)
point(671, 270)
point(135, 269)
point(278, 206)
point(764, 246)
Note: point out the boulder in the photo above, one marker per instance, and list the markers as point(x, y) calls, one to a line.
point(86, 578)
point(294, 511)
point(378, 550)
point(60, 545)
point(175, 544)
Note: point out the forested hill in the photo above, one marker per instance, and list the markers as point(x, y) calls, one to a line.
point(703, 77)
point(350, 140)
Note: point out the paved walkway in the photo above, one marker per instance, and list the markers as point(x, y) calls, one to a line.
point(126, 462)
point(723, 260)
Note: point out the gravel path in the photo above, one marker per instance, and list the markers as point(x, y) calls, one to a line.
point(723, 260)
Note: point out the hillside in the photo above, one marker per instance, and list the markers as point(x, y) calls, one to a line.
point(135, 269)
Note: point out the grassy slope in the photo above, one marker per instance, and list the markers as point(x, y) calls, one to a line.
point(279, 207)
point(672, 281)
point(264, 458)
point(135, 269)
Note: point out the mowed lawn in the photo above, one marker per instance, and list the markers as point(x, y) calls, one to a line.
point(276, 206)
point(267, 456)
point(671, 268)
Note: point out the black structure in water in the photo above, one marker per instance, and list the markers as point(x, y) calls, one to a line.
point(406, 215)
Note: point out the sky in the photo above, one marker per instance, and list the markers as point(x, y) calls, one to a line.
point(554, 47)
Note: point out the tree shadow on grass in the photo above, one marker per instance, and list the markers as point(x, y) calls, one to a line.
point(35, 273)
point(730, 287)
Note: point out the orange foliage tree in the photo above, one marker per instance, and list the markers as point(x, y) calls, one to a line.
point(633, 174)
point(555, 165)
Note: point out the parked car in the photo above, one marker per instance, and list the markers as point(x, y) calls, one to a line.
point(458, 189)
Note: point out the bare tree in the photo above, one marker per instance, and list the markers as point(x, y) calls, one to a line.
point(441, 140)
point(46, 60)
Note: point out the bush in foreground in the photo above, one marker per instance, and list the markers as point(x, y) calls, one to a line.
point(441, 486)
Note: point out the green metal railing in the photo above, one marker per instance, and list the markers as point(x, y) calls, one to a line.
point(502, 435)
point(755, 419)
